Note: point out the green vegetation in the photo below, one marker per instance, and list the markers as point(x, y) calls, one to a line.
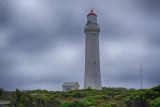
point(108, 97)
point(144, 98)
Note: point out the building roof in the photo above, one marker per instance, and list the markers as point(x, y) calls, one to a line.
point(66, 84)
point(91, 13)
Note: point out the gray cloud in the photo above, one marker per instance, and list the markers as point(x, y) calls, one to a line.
point(42, 42)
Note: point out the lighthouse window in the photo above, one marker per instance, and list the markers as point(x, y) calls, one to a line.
point(89, 21)
point(94, 62)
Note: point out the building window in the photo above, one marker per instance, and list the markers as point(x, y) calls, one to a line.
point(89, 21)
point(68, 89)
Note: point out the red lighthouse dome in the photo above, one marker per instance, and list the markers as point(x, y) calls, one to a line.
point(91, 13)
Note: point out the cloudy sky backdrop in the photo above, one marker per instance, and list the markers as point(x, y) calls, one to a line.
point(42, 42)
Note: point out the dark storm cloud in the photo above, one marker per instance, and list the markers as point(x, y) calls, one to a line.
point(42, 42)
point(4, 17)
point(148, 5)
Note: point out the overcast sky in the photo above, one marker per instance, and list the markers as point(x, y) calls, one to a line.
point(42, 42)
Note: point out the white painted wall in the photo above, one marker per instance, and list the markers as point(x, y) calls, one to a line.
point(92, 19)
point(76, 87)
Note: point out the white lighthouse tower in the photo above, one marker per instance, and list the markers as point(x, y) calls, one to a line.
point(92, 60)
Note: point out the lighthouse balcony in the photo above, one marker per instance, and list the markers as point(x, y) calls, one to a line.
point(92, 27)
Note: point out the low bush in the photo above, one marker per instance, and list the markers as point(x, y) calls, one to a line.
point(155, 103)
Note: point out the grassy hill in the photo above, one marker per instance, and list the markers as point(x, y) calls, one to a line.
point(108, 97)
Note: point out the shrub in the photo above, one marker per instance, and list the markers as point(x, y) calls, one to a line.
point(113, 105)
point(118, 97)
point(80, 103)
point(67, 104)
point(1, 91)
point(105, 105)
point(155, 103)
point(105, 97)
point(79, 94)
point(156, 88)
point(128, 102)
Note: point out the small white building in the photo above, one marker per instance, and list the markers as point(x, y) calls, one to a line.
point(67, 86)
point(4, 103)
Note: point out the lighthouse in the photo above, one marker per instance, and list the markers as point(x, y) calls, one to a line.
point(92, 77)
